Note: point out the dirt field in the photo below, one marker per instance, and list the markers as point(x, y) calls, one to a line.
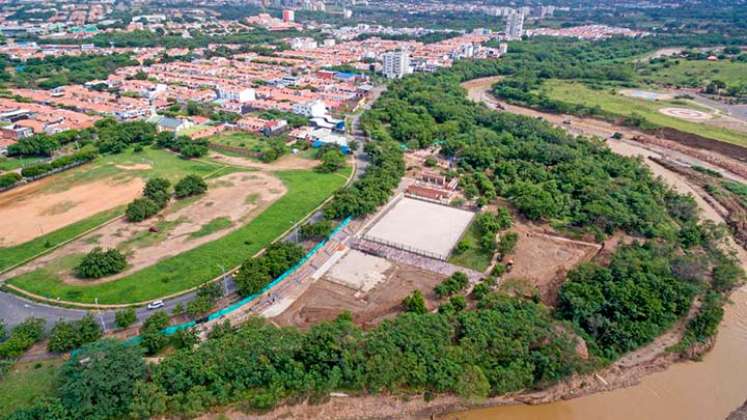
point(326, 299)
point(231, 201)
point(543, 259)
point(29, 211)
point(284, 163)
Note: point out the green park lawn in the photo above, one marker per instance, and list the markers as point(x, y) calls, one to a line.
point(474, 257)
point(306, 190)
point(26, 383)
point(162, 164)
point(620, 105)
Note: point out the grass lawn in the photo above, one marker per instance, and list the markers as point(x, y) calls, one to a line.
point(249, 141)
point(162, 163)
point(9, 164)
point(306, 190)
point(474, 257)
point(26, 383)
point(617, 104)
point(694, 73)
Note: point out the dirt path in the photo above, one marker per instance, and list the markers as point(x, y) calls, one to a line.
point(231, 201)
point(287, 162)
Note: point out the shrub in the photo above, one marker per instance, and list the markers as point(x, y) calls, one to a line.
point(66, 336)
point(141, 209)
point(125, 317)
point(9, 179)
point(415, 303)
point(453, 284)
point(22, 337)
point(190, 185)
point(507, 243)
point(100, 263)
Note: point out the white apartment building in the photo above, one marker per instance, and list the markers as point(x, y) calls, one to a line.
point(311, 109)
point(233, 93)
point(515, 25)
point(396, 64)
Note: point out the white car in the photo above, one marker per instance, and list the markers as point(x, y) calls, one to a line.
point(155, 304)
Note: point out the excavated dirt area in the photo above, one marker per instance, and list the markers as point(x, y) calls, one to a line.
point(231, 201)
point(542, 259)
point(326, 299)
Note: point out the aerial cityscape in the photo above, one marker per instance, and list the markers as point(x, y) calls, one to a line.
point(373, 209)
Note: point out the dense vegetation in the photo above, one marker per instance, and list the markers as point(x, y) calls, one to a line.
point(257, 272)
point(51, 72)
point(155, 197)
point(101, 263)
point(69, 335)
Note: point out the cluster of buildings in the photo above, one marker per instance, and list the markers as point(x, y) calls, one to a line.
point(591, 32)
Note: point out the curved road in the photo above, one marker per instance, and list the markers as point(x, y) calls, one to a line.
point(15, 309)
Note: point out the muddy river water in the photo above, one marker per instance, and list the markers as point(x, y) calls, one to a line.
point(704, 390)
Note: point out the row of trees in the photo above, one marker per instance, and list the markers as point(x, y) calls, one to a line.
point(471, 353)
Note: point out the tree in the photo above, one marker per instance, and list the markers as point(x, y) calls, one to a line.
point(415, 303)
point(472, 384)
point(98, 380)
point(256, 273)
point(507, 243)
point(101, 263)
point(125, 317)
point(332, 160)
point(69, 335)
point(153, 337)
point(453, 284)
point(22, 337)
point(148, 400)
point(190, 185)
point(157, 189)
point(141, 209)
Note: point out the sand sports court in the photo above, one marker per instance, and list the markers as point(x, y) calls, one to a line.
point(421, 227)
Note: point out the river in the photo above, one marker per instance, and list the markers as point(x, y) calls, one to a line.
point(709, 389)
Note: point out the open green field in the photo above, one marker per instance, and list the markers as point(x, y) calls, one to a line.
point(577, 93)
point(694, 73)
point(306, 190)
point(250, 141)
point(26, 383)
point(474, 257)
point(153, 163)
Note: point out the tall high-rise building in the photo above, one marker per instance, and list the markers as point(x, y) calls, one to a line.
point(288, 15)
point(515, 25)
point(396, 64)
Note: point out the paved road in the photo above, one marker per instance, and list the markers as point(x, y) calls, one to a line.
point(15, 309)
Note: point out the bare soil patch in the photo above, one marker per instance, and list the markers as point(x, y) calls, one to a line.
point(135, 167)
point(326, 299)
point(286, 162)
point(29, 211)
point(542, 259)
point(173, 232)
